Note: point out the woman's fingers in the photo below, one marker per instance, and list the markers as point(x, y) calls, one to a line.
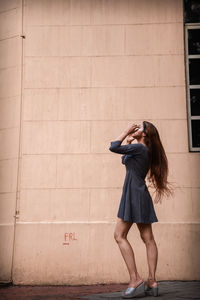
point(130, 138)
point(132, 128)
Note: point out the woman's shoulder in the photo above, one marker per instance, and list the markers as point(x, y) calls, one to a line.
point(140, 146)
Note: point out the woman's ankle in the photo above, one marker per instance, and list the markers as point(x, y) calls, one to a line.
point(152, 282)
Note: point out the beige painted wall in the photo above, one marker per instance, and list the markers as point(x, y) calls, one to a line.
point(90, 68)
point(10, 105)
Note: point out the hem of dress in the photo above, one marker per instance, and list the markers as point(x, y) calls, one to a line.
point(135, 221)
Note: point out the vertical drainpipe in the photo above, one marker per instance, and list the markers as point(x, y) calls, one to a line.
point(17, 204)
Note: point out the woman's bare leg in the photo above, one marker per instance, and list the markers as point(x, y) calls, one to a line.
point(152, 251)
point(120, 235)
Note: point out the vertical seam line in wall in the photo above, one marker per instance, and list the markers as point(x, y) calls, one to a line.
point(124, 39)
point(17, 206)
point(89, 190)
point(90, 134)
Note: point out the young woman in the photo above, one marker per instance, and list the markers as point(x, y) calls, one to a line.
point(147, 156)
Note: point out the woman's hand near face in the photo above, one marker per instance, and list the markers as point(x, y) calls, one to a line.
point(131, 128)
point(129, 139)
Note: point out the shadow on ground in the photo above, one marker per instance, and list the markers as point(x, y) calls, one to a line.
point(170, 290)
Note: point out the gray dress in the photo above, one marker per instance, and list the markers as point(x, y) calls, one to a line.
point(136, 204)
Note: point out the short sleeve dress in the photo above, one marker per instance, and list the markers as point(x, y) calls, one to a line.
point(136, 204)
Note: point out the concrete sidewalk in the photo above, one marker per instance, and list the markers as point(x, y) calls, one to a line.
point(170, 290)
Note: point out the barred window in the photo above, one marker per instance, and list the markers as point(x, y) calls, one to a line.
point(192, 61)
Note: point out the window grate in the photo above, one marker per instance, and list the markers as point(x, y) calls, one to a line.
point(192, 63)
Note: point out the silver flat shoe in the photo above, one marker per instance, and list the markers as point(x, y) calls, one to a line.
point(131, 292)
point(151, 291)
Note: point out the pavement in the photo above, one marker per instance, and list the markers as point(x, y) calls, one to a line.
point(170, 290)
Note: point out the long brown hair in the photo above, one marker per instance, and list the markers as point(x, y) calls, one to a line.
point(158, 162)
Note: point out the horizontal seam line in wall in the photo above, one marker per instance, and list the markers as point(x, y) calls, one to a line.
point(82, 188)
point(88, 222)
point(10, 9)
point(99, 120)
point(80, 153)
point(95, 87)
point(79, 120)
point(8, 97)
point(10, 67)
point(103, 87)
point(87, 87)
point(7, 128)
point(111, 55)
point(105, 24)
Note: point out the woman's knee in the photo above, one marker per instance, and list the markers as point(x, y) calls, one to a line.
point(119, 237)
point(147, 239)
point(146, 233)
point(121, 230)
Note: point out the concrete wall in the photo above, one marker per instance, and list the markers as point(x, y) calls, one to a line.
point(90, 68)
point(10, 105)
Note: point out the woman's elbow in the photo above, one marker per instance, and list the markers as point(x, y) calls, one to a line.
point(113, 149)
